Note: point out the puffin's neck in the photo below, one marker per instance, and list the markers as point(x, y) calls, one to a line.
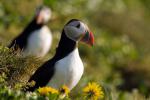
point(32, 26)
point(65, 47)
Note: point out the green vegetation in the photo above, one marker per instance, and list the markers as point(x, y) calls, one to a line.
point(119, 60)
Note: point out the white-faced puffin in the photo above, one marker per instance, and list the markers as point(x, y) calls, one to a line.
point(36, 38)
point(66, 67)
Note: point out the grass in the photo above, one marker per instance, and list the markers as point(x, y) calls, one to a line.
point(16, 70)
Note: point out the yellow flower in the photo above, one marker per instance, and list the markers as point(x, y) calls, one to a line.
point(47, 90)
point(93, 91)
point(64, 90)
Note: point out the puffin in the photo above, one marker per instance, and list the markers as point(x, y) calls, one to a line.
point(36, 38)
point(66, 66)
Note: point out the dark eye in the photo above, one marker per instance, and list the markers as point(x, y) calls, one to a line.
point(78, 26)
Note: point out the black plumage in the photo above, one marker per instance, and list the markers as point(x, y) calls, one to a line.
point(20, 42)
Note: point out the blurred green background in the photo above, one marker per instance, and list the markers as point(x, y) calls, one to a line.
point(120, 58)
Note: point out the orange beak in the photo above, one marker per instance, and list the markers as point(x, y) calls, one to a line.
point(39, 18)
point(88, 38)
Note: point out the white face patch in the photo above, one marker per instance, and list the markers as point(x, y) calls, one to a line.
point(75, 30)
point(44, 14)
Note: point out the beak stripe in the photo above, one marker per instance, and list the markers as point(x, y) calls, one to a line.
point(88, 38)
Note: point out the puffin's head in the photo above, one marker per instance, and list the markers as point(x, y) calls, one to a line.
point(43, 15)
point(76, 30)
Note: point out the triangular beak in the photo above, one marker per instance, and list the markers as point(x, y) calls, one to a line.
point(39, 18)
point(88, 38)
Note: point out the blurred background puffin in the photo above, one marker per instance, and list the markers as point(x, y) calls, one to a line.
point(36, 38)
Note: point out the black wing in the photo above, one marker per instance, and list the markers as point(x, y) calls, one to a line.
point(18, 43)
point(42, 76)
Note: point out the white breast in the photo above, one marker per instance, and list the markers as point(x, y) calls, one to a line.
point(68, 71)
point(39, 43)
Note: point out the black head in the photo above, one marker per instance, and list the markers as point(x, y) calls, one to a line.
point(77, 31)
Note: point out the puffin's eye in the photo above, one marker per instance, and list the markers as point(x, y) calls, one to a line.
point(78, 26)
